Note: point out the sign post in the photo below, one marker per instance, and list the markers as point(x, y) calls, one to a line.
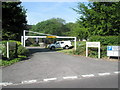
point(7, 49)
point(93, 44)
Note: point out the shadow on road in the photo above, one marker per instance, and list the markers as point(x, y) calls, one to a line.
point(35, 50)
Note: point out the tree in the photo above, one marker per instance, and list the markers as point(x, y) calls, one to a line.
point(13, 20)
point(54, 26)
point(79, 31)
point(101, 18)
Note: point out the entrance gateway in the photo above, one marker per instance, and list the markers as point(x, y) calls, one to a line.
point(25, 37)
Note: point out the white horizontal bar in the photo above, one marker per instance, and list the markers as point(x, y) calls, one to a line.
point(88, 75)
point(48, 79)
point(70, 77)
point(102, 74)
point(30, 81)
point(117, 72)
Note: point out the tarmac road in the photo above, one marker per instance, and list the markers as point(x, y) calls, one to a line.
point(44, 64)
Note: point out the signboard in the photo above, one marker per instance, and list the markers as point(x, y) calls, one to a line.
point(93, 44)
point(50, 36)
point(113, 51)
point(12, 45)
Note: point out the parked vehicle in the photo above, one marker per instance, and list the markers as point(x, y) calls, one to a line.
point(60, 44)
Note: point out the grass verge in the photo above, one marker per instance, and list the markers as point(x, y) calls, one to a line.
point(10, 62)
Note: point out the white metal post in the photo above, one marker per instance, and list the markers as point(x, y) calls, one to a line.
point(24, 38)
point(86, 50)
point(75, 43)
point(7, 49)
point(99, 51)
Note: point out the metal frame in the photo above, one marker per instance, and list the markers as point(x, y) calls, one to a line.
point(24, 37)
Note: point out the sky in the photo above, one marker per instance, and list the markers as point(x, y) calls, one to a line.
point(41, 11)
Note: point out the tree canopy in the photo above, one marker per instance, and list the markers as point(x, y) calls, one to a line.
point(13, 20)
point(54, 26)
point(101, 18)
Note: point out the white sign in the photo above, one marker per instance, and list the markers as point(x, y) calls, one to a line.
point(93, 44)
point(113, 50)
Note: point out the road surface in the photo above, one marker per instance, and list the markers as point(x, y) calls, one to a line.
point(45, 66)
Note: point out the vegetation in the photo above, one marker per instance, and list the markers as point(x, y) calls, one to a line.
point(13, 20)
point(54, 26)
point(106, 40)
point(17, 53)
point(100, 18)
point(15, 60)
point(98, 21)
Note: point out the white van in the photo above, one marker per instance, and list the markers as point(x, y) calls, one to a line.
point(60, 44)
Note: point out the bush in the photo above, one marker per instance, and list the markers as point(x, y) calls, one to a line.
point(12, 49)
point(80, 50)
point(106, 40)
point(22, 51)
point(6, 63)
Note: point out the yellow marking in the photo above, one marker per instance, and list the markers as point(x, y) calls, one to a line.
point(50, 36)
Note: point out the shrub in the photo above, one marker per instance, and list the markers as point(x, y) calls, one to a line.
point(80, 50)
point(6, 63)
point(22, 51)
point(12, 50)
point(106, 40)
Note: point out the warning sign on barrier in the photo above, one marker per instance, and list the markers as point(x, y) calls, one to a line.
point(50, 36)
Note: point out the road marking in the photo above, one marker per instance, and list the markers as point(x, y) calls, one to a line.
point(70, 77)
point(49, 79)
point(29, 81)
point(88, 75)
point(5, 83)
point(103, 74)
point(117, 72)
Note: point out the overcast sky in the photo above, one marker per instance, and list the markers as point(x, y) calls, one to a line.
point(40, 11)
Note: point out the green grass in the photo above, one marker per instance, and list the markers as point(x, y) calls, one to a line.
point(10, 62)
point(68, 51)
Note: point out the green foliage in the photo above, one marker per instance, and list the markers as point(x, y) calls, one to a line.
point(13, 20)
point(54, 26)
point(80, 50)
point(93, 52)
point(22, 51)
point(101, 18)
point(6, 63)
point(77, 30)
point(14, 51)
point(106, 40)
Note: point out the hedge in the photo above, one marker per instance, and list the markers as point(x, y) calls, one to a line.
point(106, 40)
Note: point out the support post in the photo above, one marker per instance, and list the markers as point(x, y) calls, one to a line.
point(86, 51)
point(24, 38)
point(7, 49)
point(99, 51)
point(75, 43)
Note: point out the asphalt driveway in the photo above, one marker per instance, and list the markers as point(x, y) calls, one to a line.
point(44, 63)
